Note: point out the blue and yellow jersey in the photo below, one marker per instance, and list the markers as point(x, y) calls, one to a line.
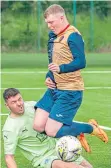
point(67, 50)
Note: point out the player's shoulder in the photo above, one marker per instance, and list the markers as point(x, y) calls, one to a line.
point(75, 37)
point(29, 106)
point(73, 29)
point(9, 124)
point(29, 103)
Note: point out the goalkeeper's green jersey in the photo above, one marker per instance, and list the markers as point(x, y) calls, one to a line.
point(18, 132)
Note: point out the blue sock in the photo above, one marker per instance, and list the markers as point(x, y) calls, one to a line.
point(75, 129)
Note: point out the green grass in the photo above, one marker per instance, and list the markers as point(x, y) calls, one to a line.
point(37, 60)
point(96, 103)
point(39, 82)
point(17, 37)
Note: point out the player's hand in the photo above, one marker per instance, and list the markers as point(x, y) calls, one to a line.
point(50, 84)
point(54, 67)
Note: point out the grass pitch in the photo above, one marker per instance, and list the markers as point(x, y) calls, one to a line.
point(96, 102)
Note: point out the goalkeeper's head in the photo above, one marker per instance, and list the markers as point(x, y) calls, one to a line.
point(14, 101)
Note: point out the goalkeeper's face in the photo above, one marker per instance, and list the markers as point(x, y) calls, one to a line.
point(15, 104)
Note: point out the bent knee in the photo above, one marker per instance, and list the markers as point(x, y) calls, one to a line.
point(58, 164)
point(37, 127)
point(90, 166)
point(50, 132)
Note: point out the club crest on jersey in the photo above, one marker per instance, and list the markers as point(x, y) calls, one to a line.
point(41, 136)
point(61, 38)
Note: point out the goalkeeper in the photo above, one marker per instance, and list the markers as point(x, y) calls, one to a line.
point(38, 148)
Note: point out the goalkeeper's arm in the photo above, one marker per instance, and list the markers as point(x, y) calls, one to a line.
point(10, 161)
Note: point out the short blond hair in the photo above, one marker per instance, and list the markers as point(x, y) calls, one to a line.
point(53, 9)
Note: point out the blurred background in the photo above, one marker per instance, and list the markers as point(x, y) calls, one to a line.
point(23, 27)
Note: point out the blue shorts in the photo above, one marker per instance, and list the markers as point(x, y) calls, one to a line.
point(61, 104)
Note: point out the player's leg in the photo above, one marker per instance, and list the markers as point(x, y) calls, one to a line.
point(40, 119)
point(63, 111)
point(60, 119)
point(53, 162)
point(61, 164)
point(43, 108)
point(97, 131)
point(84, 163)
point(79, 163)
point(52, 127)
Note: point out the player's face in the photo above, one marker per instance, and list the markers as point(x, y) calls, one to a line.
point(54, 22)
point(16, 104)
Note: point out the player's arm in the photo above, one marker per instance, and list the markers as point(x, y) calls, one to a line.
point(76, 45)
point(50, 75)
point(10, 161)
point(50, 83)
point(10, 144)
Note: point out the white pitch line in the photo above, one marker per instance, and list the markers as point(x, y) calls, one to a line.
point(97, 87)
point(27, 88)
point(87, 88)
point(101, 126)
point(21, 72)
point(5, 114)
point(105, 128)
point(44, 72)
point(96, 72)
